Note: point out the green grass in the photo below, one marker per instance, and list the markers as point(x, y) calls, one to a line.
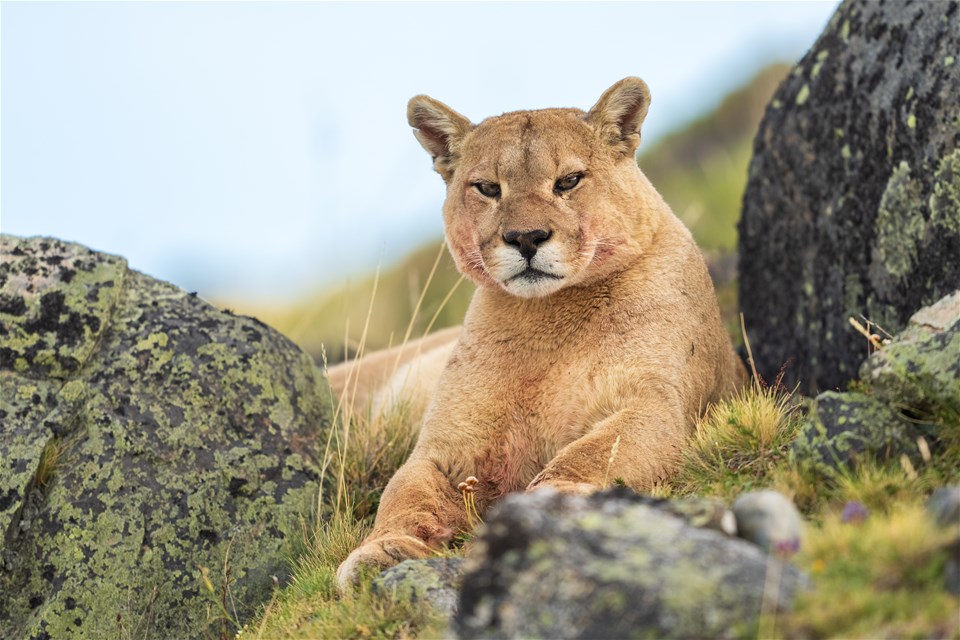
point(312, 607)
point(739, 443)
point(879, 577)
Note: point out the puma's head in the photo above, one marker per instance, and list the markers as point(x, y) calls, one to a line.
point(540, 200)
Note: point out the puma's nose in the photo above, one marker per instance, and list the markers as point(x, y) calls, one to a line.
point(527, 241)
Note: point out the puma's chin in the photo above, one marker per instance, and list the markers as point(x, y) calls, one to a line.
point(533, 283)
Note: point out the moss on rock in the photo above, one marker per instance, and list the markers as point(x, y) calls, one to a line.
point(188, 446)
point(434, 582)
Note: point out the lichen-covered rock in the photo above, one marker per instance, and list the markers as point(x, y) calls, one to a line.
point(843, 426)
point(853, 198)
point(434, 582)
point(910, 389)
point(609, 566)
point(921, 368)
point(145, 438)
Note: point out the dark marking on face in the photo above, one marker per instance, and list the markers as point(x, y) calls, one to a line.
point(526, 137)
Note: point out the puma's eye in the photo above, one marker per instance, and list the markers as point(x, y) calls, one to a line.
point(488, 189)
point(568, 182)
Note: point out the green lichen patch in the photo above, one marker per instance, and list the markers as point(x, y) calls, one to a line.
point(900, 224)
point(55, 303)
point(22, 401)
point(945, 196)
point(844, 427)
point(821, 58)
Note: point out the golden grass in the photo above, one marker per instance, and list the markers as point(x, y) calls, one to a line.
point(738, 442)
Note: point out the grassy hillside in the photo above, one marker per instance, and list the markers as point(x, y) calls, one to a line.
point(334, 321)
point(700, 169)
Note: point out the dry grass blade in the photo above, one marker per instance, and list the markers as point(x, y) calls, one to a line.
point(419, 304)
point(746, 343)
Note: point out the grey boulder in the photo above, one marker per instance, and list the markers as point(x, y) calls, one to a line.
point(152, 447)
point(610, 566)
point(852, 204)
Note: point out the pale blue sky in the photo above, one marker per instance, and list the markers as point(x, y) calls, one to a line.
point(260, 149)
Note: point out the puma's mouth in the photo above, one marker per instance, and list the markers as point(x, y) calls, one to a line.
point(531, 274)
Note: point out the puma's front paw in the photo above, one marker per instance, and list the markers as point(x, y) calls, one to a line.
point(379, 554)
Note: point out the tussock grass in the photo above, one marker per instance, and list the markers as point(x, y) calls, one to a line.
point(740, 442)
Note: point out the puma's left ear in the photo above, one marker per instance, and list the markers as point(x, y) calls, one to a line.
point(620, 111)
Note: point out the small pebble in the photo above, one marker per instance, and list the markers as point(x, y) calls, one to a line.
point(769, 519)
point(944, 506)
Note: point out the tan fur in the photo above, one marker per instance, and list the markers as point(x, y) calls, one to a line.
point(407, 372)
point(620, 345)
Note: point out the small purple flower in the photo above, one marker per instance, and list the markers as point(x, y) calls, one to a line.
point(855, 512)
point(787, 547)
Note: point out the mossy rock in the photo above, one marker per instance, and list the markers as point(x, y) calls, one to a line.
point(146, 438)
point(842, 427)
point(613, 565)
point(434, 583)
point(852, 204)
point(909, 389)
point(920, 370)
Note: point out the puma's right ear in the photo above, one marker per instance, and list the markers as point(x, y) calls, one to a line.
point(439, 129)
point(619, 113)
